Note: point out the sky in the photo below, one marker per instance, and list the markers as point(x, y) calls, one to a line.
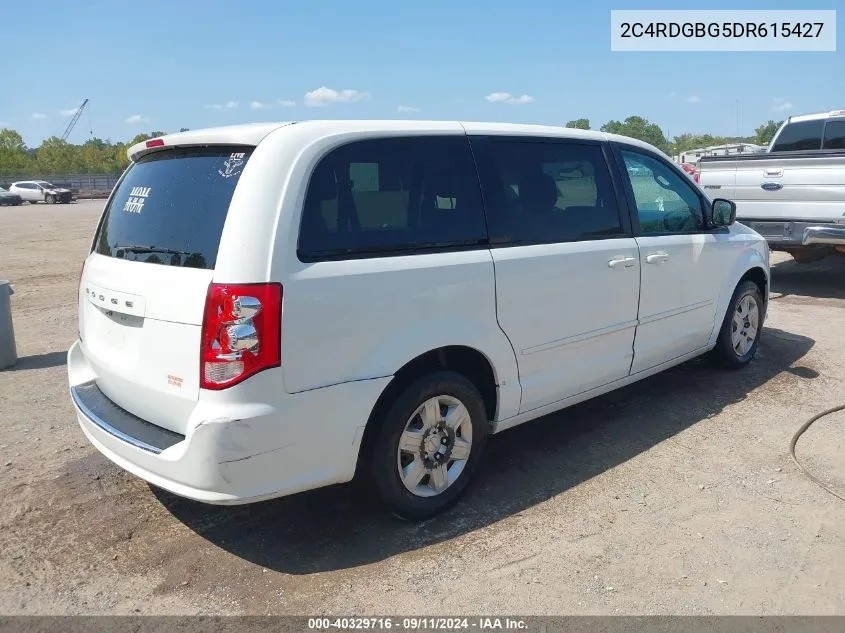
point(157, 65)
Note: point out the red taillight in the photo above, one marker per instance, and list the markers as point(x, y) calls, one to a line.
point(155, 142)
point(241, 333)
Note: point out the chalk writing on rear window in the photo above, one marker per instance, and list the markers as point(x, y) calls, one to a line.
point(137, 197)
point(232, 165)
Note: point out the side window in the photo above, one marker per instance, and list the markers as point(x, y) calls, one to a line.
point(801, 136)
point(386, 195)
point(546, 192)
point(666, 202)
point(834, 135)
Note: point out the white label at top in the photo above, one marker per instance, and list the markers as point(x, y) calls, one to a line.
point(707, 30)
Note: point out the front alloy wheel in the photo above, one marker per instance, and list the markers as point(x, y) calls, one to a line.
point(740, 333)
point(744, 325)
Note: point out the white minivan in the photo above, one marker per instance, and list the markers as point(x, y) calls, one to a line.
point(271, 308)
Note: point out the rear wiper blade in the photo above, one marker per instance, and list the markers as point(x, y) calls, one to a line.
point(137, 248)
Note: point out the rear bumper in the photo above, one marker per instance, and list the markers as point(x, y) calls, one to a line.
point(98, 409)
point(834, 236)
point(786, 233)
point(236, 450)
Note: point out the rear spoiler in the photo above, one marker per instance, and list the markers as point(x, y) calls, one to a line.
point(250, 134)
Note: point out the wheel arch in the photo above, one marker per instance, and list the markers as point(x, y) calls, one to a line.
point(761, 279)
point(752, 266)
point(471, 363)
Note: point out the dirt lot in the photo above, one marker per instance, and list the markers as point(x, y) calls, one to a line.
point(676, 495)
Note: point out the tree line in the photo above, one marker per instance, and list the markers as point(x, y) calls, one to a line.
point(644, 130)
point(57, 157)
point(97, 156)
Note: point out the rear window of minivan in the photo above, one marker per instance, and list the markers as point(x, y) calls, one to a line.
point(171, 205)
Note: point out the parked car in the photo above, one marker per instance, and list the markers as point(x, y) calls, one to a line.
point(7, 199)
point(40, 190)
point(794, 193)
point(272, 308)
point(690, 170)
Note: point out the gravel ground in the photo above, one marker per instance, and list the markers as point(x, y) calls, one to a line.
point(673, 496)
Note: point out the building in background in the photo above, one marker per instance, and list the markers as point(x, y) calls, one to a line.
point(725, 149)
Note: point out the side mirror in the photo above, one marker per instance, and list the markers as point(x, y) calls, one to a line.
point(723, 212)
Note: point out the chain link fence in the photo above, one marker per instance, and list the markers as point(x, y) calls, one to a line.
point(82, 185)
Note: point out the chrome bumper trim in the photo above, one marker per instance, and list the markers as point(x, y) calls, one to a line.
point(823, 235)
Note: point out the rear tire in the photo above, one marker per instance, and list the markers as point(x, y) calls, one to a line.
point(429, 445)
point(809, 255)
point(741, 327)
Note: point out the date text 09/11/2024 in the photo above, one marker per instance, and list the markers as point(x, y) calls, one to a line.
point(417, 624)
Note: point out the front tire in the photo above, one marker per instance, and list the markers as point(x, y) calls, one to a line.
point(429, 445)
point(51, 199)
point(741, 327)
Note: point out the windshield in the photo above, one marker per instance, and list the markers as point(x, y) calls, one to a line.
point(46, 185)
point(170, 207)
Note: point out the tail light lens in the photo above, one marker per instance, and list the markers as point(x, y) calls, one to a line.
point(241, 333)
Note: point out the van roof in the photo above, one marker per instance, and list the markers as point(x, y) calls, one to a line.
point(816, 116)
point(254, 133)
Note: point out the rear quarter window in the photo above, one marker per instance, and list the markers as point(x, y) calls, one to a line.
point(392, 195)
point(834, 135)
point(170, 207)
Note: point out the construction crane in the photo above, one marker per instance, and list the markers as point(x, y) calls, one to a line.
point(73, 121)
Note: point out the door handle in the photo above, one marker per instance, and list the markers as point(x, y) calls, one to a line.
point(622, 262)
point(657, 258)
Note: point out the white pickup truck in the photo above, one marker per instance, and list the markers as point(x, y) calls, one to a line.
point(793, 194)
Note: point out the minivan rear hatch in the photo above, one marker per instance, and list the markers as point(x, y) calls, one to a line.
point(144, 285)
